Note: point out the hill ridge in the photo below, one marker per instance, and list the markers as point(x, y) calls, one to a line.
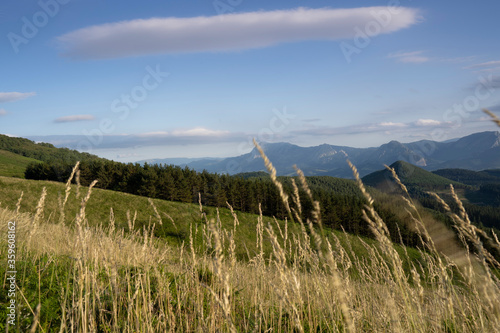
point(476, 151)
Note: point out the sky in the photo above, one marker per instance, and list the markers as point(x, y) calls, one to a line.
point(130, 80)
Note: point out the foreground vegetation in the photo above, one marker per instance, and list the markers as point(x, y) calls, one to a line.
point(79, 275)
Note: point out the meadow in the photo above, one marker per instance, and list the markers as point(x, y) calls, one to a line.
point(13, 165)
point(91, 260)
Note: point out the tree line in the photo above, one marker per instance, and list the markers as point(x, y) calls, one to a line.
point(340, 202)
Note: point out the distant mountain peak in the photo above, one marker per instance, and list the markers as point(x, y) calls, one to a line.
point(403, 168)
point(477, 151)
point(393, 143)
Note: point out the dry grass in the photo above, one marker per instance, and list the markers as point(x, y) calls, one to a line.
point(120, 280)
point(493, 116)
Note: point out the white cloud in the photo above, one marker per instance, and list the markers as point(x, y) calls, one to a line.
point(391, 124)
point(3, 112)
point(80, 117)
point(389, 127)
point(192, 132)
point(14, 96)
point(494, 63)
point(193, 136)
point(485, 67)
point(428, 122)
point(226, 32)
point(198, 131)
point(152, 134)
point(458, 60)
point(127, 155)
point(488, 70)
point(414, 57)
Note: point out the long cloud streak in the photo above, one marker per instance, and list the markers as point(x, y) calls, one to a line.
point(225, 32)
point(14, 96)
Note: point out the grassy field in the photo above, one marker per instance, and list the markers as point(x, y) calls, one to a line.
point(124, 207)
point(13, 165)
point(103, 261)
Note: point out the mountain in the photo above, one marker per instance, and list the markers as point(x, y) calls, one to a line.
point(477, 151)
point(180, 161)
point(479, 192)
point(410, 175)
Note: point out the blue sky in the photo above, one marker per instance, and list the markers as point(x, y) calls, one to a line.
point(128, 80)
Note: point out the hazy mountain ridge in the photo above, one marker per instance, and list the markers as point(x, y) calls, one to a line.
point(477, 151)
point(180, 161)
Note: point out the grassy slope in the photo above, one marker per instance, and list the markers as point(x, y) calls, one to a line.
point(42, 151)
point(13, 165)
point(102, 201)
point(183, 214)
point(257, 281)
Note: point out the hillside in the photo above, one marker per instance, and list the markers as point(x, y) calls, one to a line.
point(13, 165)
point(411, 175)
point(470, 177)
point(44, 152)
point(481, 202)
point(103, 201)
point(177, 217)
point(103, 272)
point(340, 200)
point(334, 185)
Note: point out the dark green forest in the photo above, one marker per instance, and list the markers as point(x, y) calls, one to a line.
point(470, 177)
point(340, 200)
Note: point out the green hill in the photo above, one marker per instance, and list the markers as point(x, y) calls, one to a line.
point(412, 176)
point(470, 177)
point(177, 217)
point(13, 165)
point(44, 152)
point(481, 202)
point(103, 201)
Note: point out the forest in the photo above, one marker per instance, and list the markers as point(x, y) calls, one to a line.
point(340, 200)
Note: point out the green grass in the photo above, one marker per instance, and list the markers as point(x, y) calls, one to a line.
point(184, 215)
point(103, 201)
point(13, 165)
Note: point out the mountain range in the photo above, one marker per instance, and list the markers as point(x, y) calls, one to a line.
point(477, 151)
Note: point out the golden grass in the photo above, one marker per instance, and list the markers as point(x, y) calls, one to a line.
point(130, 281)
point(493, 116)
